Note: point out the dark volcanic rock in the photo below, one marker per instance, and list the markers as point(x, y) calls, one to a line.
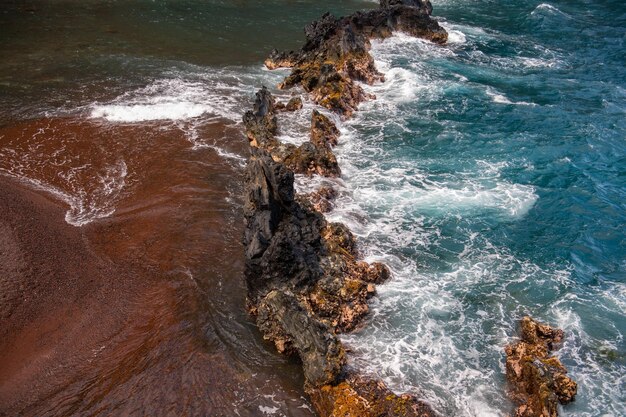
point(282, 239)
point(282, 319)
point(305, 282)
point(537, 380)
point(336, 55)
point(261, 124)
point(312, 157)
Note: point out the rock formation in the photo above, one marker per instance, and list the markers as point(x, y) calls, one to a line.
point(537, 380)
point(305, 282)
point(304, 278)
point(335, 55)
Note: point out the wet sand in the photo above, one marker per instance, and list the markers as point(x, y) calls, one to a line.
point(142, 312)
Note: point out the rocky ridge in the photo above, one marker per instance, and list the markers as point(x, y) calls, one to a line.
point(335, 55)
point(305, 281)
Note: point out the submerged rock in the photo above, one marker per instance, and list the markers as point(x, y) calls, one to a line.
point(537, 380)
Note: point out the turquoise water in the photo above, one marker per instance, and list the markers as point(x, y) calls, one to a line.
point(489, 174)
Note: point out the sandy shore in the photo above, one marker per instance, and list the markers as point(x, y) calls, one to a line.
point(140, 313)
point(57, 295)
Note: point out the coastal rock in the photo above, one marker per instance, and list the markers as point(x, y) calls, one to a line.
point(283, 320)
point(304, 279)
point(309, 158)
point(261, 122)
point(537, 380)
point(282, 239)
point(294, 103)
point(357, 396)
point(322, 199)
point(323, 130)
point(336, 55)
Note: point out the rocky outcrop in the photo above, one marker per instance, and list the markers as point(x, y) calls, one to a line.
point(322, 199)
point(538, 381)
point(305, 281)
point(312, 157)
point(358, 396)
point(335, 55)
point(304, 278)
point(295, 103)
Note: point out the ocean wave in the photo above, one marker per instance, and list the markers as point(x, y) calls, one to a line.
point(548, 9)
point(85, 205)
point(167, 99)
point(502, 99)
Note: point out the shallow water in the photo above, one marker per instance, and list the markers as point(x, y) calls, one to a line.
point(128, 114)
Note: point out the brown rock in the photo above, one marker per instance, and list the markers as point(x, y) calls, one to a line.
point(537, 380)
point(322, 199)
point(294, 103)
point(323, 130)
point(357, 396)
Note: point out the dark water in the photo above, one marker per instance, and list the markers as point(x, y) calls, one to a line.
point(490, 174)
point(127, 113)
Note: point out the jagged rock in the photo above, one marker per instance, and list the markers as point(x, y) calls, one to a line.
point(278, 59)
point(322, 199)
point(537, 380)
point(305, 281)
point(309, 158)
point(335, 54)
point(283, 320)
point(323, 130)
point(358, 396)
point(282, 239)
point(261, 123)
point(295, 103)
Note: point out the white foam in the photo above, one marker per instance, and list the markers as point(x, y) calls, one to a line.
point(166, 99)
point(549, 9)
point(502, 99)
point(131, 113)
point(84, 206)
point(455, 36)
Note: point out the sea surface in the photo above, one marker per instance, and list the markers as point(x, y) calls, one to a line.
point(489, 174)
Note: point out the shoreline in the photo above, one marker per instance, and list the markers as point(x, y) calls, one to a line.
point(114, 314)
